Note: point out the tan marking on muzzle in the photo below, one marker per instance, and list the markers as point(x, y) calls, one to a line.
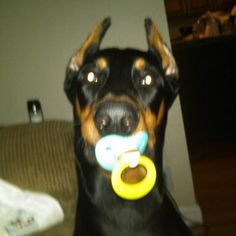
point(88, 128)
point(161, 113)
point(149, 122)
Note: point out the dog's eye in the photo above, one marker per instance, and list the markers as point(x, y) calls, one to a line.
point(147, 80)
point(91, 77)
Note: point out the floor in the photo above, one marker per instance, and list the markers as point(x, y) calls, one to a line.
point(214, 175)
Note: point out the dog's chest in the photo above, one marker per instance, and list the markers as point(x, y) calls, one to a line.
point(129, 218)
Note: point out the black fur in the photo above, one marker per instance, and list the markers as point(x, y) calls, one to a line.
point(100, 211)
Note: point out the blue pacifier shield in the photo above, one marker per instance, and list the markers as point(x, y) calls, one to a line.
point(110, 147)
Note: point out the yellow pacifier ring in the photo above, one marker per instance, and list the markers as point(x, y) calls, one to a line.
point(137, 190)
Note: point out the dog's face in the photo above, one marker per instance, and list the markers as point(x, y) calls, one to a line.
point(121, 91)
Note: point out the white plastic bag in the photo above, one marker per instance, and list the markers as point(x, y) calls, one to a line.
point(25, 213)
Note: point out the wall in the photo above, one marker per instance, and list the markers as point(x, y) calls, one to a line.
point(38, 38)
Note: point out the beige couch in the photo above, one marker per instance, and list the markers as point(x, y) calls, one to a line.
point(40, 157)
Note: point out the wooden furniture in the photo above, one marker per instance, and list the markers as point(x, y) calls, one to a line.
point(208, 82)
point(192, 7)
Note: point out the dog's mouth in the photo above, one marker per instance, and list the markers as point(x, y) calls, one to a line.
point(112, 149)
point(133, 174)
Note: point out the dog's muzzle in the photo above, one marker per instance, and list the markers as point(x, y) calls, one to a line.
point(119, 117)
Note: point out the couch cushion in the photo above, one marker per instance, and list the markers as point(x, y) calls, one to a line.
point(40, 157)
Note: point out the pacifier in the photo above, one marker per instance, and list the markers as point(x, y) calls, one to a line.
point(133, 191)
point(110, 147)
point(123, 157)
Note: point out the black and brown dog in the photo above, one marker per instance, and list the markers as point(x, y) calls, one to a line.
point(122, 92)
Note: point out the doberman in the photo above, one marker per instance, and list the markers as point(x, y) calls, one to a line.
point(122, 92)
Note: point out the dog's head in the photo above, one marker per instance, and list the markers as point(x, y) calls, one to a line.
point(121, 91)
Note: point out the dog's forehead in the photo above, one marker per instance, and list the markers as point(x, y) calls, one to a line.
point(127, 57)
point(122, 53)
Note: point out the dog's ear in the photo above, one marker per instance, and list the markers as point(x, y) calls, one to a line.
point(90, 46)
point(158, 47)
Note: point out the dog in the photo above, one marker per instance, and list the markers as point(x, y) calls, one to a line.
point(122, 91)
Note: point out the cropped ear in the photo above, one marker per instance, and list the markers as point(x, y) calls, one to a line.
point(158, 46)
point(91, 45)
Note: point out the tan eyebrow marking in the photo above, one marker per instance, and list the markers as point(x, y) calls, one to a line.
point(101, 63)
point(140, 64)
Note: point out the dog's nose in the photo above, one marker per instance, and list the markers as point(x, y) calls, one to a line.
point(116, 117)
